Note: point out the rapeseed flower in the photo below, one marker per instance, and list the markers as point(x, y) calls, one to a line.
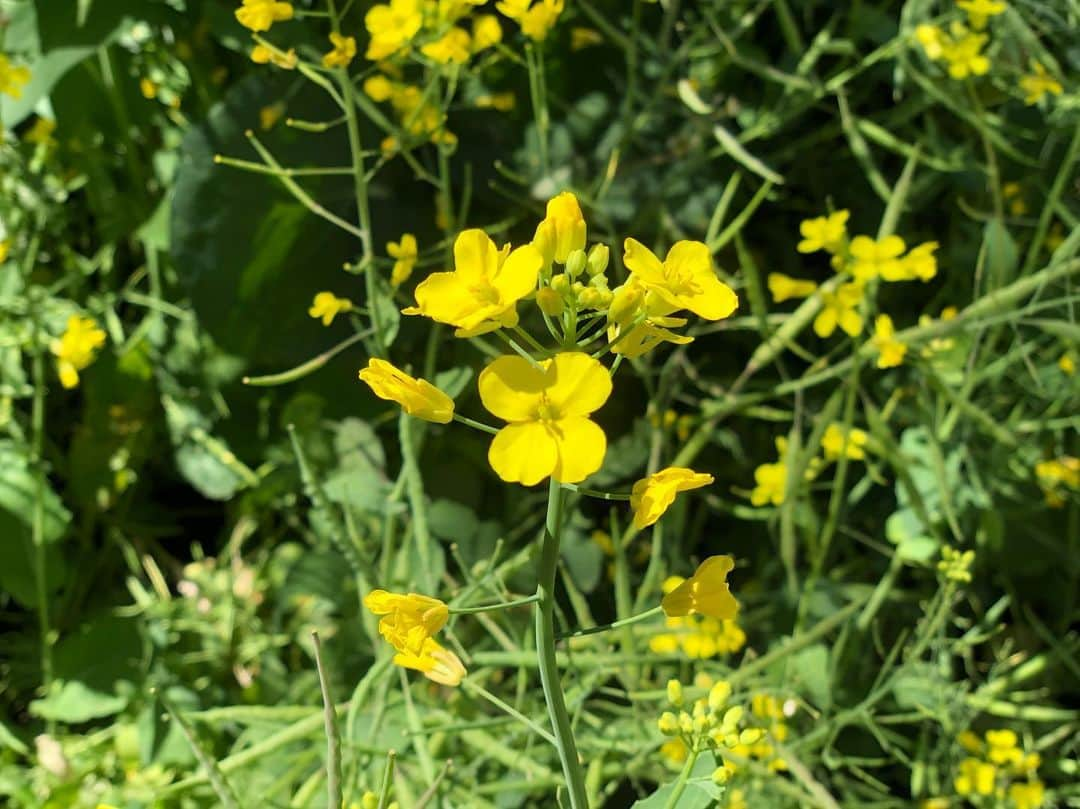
point(1038, 83)
point(933, 39)
point(76, 348)
point(263, 55)
point(392, 27)
point(770, 484)
point(12, 78)
point(259, 15)
point(1029, 795)
point(963, 52)
point(408, 622)
point(486, 32)
point(417, 397)
point(705, 593)
point(503, 102)
point(823, 232)
point(837, 442)
point(876, 258)
point(536, 17)
point(547, 406)
point(482, 292)
point(841, 308)
point(920, 263)
point(890, 350)
point(40, 134)
point(685, 279)
point(1067, 363)
point(343, 52)
point(652, 496)
point(956, 565)
point(453, 47)
point(326, 305)
point(404, 252)
point(562, 231)
point(975, 777)
point(783, 287)
point(980, 11)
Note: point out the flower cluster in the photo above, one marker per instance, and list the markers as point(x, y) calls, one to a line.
point(770, 479)
point(12, 78)
point(326, 306)
point(956, 565)
point(76, 348)
point(408, 622)
point(710, 724)
point(997, 767)
point(1056, 476)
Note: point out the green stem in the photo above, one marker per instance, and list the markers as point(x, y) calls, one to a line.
point(593, 630)
point(333, 739)
point(37, 525)
point(545, 651)
point(476, 425)
point(503, 605)
point(510, 710)
point(414, 489)
point(684, 777)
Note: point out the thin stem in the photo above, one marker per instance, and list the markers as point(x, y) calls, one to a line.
point(480, 691)
point(333, 740)
point(545, 651)
point(594, 630)
point(597, 494)
point(476, 425)
point(414, 489)
point(37, 525)
point(502, 605)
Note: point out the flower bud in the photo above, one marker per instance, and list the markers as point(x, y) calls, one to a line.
point(550, 302)
point(675, 693)
point(719, 695)
point(668, 724)
point(625, 303)
point(575, 263)
point(598, 259)
point(560, 283)
point(721, 775)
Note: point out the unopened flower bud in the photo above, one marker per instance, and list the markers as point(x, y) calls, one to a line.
point(686, 723)
point(625, 303)
point(575, 263)
point(675, 693)
point(719, 695)
point(668, 723)
point(721, 775)
point(560, 283)
point(550, 302)
point(598, 259)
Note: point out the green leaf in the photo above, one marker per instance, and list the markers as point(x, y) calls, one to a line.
point(701, 791)
point(1002, 255)
point(811, 667)
point(74, 702)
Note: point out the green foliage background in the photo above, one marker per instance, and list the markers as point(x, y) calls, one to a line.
point(283, 505)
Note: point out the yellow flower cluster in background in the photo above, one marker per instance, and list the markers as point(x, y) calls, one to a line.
point(1056, 476)
point(956, 565)
point(326, 306)
point(12, 78)
point(996, 772)
point(76, 348)
point(260, 15)
point(408, 622)
point(770, 479)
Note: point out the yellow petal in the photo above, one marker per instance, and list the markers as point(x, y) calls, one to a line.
point(581, 448)
point(523, 453)
point(475, 256)
point(642, 262)
point(577, 384)
point(444, 297)
point(510, 388)
point(516, 278)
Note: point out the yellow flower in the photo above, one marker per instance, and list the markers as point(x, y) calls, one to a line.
point(259, 15)
point(343, 52)
point(890, 350)
point(684, 280)
point(836, 442)
point(1067, 363)
point(562, 231)
point(1038, 83)
point(956, 566)
point(550, 302)
point(41, 134)
point(1001, 747)
point(704, 593)
point(5, 249)
point(932, 39)
point(262, 55)
point(964, 53)
point(327, 306)
point(770, 484)
point(451, 48)
point(920, 263)
point(417, 397)
point(486, 32)
point(404, 252)
point(482, 292)
point(870, 258)
point(675, 751)
point(408, 622)
point(270, 115)
point(584, 38)
point(1027, 796)
point(633, 328)
point(975, 777)
point(652, 496)
point(823, 233)
point(378, 88)
point(935, 803)
point(148, 89)
point(840, 308)
point(784, 287)
point(536, 17)
point(979, 11)
point(547, 407)
point(970, 741)
point(76, 348)
point(392, 26)
point(12, 79)
point(503, 102)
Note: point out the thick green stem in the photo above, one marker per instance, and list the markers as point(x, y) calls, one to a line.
point(545, 652)
point(684, 777)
